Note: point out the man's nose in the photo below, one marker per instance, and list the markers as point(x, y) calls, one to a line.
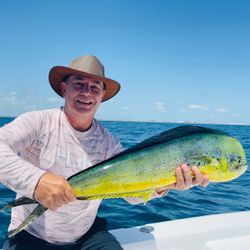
point(86, 89)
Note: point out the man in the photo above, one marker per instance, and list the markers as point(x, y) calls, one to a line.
point(39, 150)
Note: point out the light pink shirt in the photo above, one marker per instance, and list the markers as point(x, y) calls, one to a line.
point(42, 141)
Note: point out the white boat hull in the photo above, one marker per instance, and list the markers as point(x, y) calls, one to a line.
point(213, 232)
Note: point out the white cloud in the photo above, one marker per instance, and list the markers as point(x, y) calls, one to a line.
point(159, 106)
point(197, 107)
point(12, 93)
point(221, 110)
point(52, 100)
point(235, 115)
point(8, 98)
point(126, 108)
point(183, 110)
point(30, 107)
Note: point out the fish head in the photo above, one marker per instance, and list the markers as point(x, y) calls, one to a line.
point(230, 164)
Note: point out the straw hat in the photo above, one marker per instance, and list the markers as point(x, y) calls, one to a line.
point(85, 66)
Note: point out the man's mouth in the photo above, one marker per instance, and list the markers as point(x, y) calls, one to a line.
point(84, 102)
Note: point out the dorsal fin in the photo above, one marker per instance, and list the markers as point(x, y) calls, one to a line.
point(171, 135)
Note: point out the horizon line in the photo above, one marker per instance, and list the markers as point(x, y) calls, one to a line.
point(155, 121)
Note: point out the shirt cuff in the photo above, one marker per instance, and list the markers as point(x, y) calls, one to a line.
point(32, 183)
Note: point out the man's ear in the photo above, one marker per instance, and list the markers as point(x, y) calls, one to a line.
point(63, 88)
point(103, 92)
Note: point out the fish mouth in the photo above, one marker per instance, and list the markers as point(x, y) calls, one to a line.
point(243, 168)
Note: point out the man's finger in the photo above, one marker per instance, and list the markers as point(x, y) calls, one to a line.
point(198, 178)
point(188, 176)
point(205, 181)
point(180, 182)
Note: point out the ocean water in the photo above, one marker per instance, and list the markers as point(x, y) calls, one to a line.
point(216, 198)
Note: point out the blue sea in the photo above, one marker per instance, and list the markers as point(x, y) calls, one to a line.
point(216, 198)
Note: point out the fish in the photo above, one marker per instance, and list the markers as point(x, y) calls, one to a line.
point(139, 170)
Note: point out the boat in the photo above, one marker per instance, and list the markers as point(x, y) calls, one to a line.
point(229, 231)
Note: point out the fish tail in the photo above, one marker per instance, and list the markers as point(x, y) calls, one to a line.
point(21, 201)
point(39, 210)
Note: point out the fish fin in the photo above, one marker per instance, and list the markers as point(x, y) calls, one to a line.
point(18, 202)
point(206, 164)
point(39, 210)
point(171, 135)
point(204, 158)
point(147, 195)
point(143, 194)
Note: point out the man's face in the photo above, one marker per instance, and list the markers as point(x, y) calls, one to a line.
point(82, 94)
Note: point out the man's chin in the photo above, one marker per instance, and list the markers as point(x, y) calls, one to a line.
point(83, 109)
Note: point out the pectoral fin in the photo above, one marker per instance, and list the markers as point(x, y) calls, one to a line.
point(204, 160)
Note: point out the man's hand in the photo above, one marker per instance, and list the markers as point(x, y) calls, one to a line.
point(53, 191)
point(186, 178)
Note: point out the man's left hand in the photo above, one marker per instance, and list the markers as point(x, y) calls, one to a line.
point(186, 178)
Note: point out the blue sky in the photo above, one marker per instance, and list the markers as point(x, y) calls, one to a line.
point(183, 60)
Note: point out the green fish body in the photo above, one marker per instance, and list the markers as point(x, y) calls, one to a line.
point(138, 171)
point(152, 163)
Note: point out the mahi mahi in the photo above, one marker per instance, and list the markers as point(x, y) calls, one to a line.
point(138, 171)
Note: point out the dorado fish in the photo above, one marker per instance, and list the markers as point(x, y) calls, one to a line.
point(138, 171)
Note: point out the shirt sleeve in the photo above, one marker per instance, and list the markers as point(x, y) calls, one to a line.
point(16, 173)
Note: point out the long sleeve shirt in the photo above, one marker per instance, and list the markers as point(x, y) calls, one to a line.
point(44, 141)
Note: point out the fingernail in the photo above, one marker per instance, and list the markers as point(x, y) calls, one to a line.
point(178, 169)
point(184, 166)
point(194, 168)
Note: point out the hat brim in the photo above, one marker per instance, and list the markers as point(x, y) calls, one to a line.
point(58, 73)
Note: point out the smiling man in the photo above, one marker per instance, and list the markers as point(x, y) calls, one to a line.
point(83, 95)
point(40, 150)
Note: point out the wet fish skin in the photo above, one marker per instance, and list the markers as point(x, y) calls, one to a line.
point(216, 154)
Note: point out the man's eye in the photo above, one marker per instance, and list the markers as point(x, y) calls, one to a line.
point(96, 88)
point(77, 85)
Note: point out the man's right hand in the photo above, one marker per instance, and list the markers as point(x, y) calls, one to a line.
point(53, 191)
